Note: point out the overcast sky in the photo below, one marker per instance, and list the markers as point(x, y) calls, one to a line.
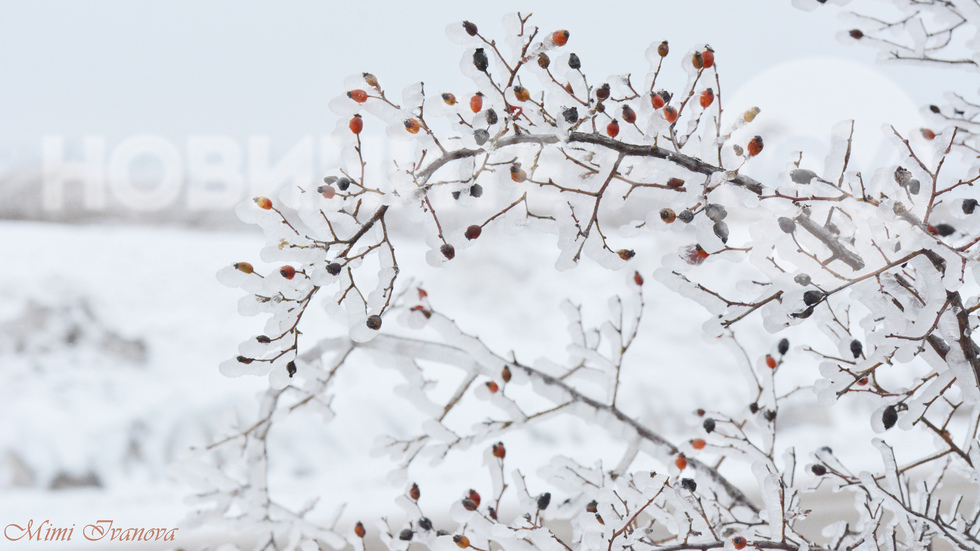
point(116, 68)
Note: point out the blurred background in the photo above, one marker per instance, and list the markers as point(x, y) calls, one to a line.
point(129, 131)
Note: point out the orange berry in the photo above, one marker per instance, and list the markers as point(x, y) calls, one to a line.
point(626, 254)
point(474, 497)
point(414, 492)
point(755, 146)
point(681, 462)
point(771, 362)
point(360, 96)
point(708, 57)
point(517, 173)
point(559, 37)
point(461, 541)
point(697, 61)
point(698, 443)
point(675, 183)
point(628, 114)
point(863, 381)
point(521, 93)
point(449, 98)
point(499, 450)
point(412, 126)
point(287, 271)
point(668, 216)
point(356, 124)
point(505, 374)
point(492, 387)
point(671, 114)
point(476, 102)
point(612, 129)
point(371, 80)
point(928, 134)
point(243, 267)
point(359, 529)
point(707, 98)
point(702, 254)
point(657, 100)
point(739, 542)
point(263, 202)
point(663, 49)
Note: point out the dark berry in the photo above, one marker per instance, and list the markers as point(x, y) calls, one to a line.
point(812, 297)
point(343, 183)
point(574, 62)
point(291, 369)
point(334, 268)
point(783, 347)
point(476, 190)
point(447, 251)
point(686, 216)
point(470, 28)
point(787, 224)
point(263, 339)
point(544, 500)
point(570, 115)
point(425, 523)
point(856, 348)
point(889, 417)
point(491, 116)
point(406, 535)
point(969, 205)
point(818, 470)
point(689, 484)
point(374, 322)
point(709, 425)
point(945, 230)
point(480, 60)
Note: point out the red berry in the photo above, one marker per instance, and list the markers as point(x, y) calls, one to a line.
point(771, 362)
point(637, 278)
point(492, 387)
point(675, 183)
point(856, 34)
point(628, 114)
point(414, 492)
point(499, 450)
point(613, 129)
point(360, 96)
point(928, 134)
point(470, 28)
point(698, 443)
point(657, 100)
point(680, 462)
point(708, 57)
point(412, 126)
point(863, 381)
point(447, 251)
point(559, 37)
point(359, 529)
point(671, 114)
point(356, 124)
point(755, 146)
point(263, 202)
point(517, 173)
point(602, 93)
point(287, 271)
point(505, 374)
point(707, 98)
point(739, 542)
point(473, 231)
point(474, 497)
point(476, 102)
